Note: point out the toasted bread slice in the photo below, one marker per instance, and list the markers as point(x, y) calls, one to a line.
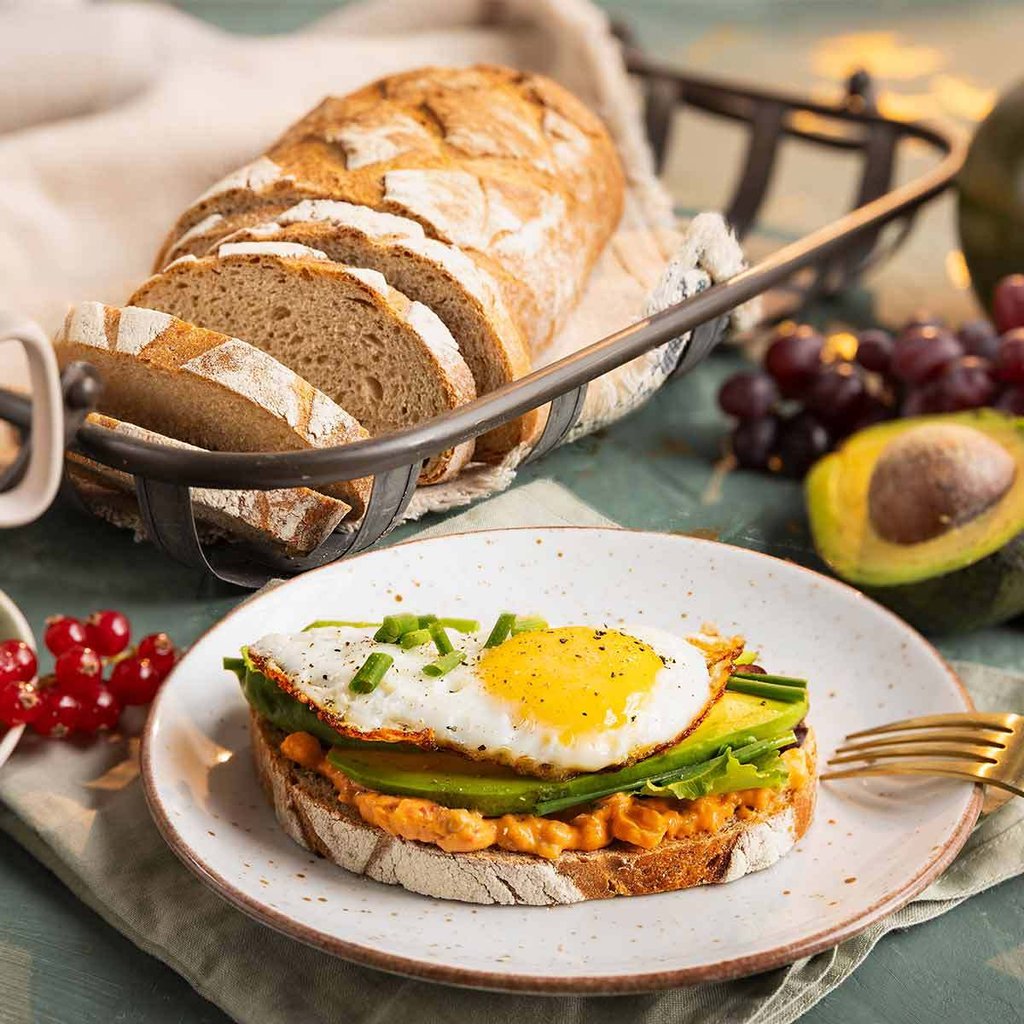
point(308, 810)
point(386, 359)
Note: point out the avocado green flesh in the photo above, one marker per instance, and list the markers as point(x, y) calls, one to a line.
point(967, 578)
point(449, 780)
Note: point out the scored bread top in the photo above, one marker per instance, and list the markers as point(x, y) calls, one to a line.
point(203, 387)
point(441, 276)
point(504, 163)
point(388, 359)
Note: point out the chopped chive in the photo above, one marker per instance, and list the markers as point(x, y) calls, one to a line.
point(528, 624)
point(322, 623)
point(395, 626)
point(460, 625)
point(372, 672)
point(765, 677)
point(443, 665)
point(415, 638)
point(500, 630)
point(425, 620)
point(770, 691)
point(441, 640)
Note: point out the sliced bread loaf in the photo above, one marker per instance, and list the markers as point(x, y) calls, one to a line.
point(439, 275)
point(388, 360)
point(296, 519)
point(505, 164)
point(203, 387)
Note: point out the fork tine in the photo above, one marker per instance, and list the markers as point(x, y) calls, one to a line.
point(982, 737)
point(965, 752)
point(949, 769)
point(970, 720)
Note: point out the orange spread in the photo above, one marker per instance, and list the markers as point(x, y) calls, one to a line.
point(641, 821)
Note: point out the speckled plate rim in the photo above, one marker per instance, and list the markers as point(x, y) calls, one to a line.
point(604, 984)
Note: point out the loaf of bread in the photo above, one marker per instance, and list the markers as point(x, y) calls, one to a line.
point(294, 520)
point(203, 387)
point(439, 275)
point(507, 165)
point(386, 359)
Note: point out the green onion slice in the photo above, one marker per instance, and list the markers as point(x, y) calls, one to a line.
point(396, 626)
point(414, 638)
point(443, 665)
point(321, 623)
point(501, 629)
point(425, 620)
point(461, 625)
point(528, 624)
point(441, 639)
point(372, 672)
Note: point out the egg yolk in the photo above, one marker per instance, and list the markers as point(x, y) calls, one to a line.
point(576, 679)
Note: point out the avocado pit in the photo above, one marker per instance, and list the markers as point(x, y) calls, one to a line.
point(935, 477)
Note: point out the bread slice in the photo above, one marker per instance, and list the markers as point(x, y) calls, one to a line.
point(505, 164)
point(308, 810)
point(386, 359)
point(439, 275)
point(294, 521)
point(204, 387)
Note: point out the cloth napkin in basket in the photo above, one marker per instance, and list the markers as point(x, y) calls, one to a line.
point(78, 810)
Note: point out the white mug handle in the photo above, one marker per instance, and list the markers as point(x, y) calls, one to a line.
point(37, 489)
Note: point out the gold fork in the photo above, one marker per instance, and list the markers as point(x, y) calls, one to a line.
point(978, 746)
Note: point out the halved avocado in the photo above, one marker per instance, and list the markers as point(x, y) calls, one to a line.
point(926, 515)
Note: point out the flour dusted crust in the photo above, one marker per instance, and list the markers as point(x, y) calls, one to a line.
point(156, 350)
point(504, 163)
point(441, 275)
point(295, 520)
point(308, 810)
point(445, 377)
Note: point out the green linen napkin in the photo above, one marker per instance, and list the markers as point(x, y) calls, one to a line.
point(81, 810)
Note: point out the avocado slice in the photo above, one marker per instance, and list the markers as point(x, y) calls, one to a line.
point(449, 779)
point(966, 573)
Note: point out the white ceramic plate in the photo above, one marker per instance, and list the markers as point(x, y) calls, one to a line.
point(873, 845)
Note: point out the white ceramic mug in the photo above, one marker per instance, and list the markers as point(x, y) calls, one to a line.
point(38, 487)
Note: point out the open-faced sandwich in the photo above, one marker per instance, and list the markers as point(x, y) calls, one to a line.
point(525, 763)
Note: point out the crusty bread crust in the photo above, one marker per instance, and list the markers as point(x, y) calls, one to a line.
point(308, 810)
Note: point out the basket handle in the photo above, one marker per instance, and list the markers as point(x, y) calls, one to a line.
point(29, 485)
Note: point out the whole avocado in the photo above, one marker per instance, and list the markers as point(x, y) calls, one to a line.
point(926, 515)
point(991, 196)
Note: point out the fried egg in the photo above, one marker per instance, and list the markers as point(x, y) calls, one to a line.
point(555, 701)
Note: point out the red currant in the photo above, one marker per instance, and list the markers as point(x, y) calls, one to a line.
point(108, 632)
point(135, 680)
point(160, 650)
point(62, 633)
point(22, 656)
point(100, 709)
point(77, 669)
point(59, 714)
point(20, 703)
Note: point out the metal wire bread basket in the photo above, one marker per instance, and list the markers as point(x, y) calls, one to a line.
point(821, 263)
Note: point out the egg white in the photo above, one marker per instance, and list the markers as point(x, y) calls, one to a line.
point(462, 715)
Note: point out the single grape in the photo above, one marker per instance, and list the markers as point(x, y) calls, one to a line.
point(794, 359)
point(1010, 361)
point(921, 401)
point(802, 441)
point(922, 353)
point(753, 442)
point(965, 384)
point(1008, 303)
point(1011, 401)
point(748, 395)
point(874, 409)
point(837, 396)
point(979, 338)
point(874, 349)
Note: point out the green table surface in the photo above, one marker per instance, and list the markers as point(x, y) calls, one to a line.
point(60, 962)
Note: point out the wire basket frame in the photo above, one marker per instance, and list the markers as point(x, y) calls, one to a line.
point(821, 263)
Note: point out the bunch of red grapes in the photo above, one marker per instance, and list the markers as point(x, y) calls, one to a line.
point(95, 675)
point(813, 392)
